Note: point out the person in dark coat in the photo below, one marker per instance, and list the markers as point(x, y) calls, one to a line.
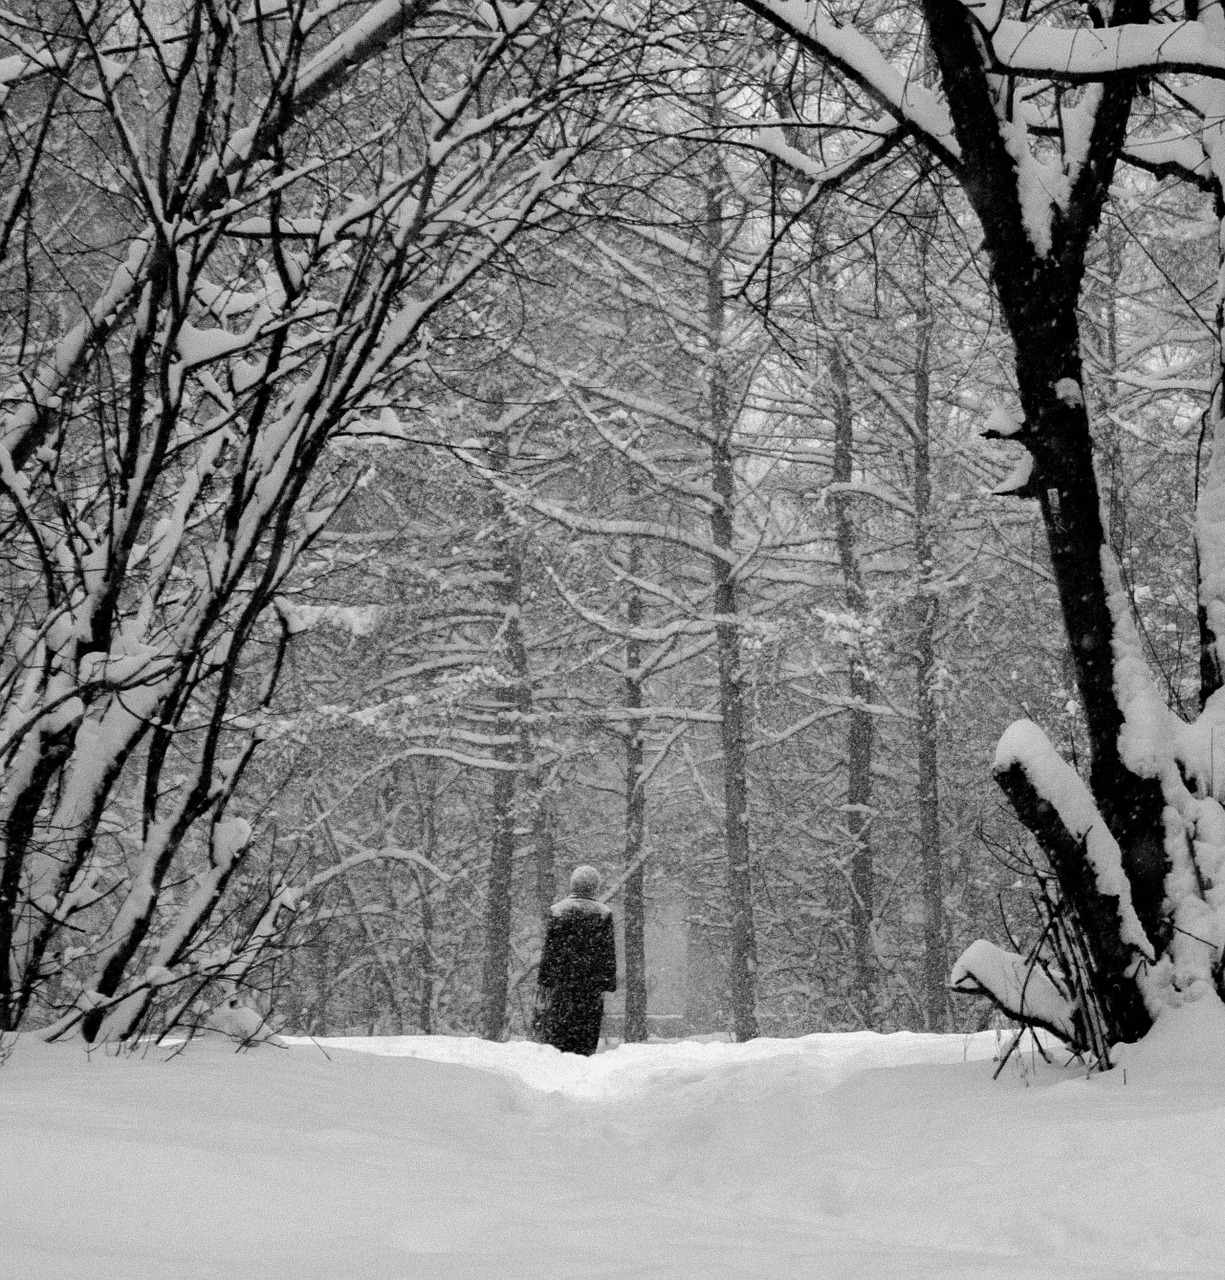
point(578, 964)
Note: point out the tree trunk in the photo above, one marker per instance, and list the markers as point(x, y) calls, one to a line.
point(427, 841)
point(425, 963)
point(1109, 432)
point(935, 957)
point(742, 963)
point(1039, 290)
point(858, 806)
point(514, 704)
point(321, 950)
point(1059, 438)
point(1064, 482)
point(1210, 508)
point(635, 818)
point(544, 842)
point(495, 972)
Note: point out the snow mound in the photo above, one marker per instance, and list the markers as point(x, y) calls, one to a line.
point(827, 1059)
point(1187, 1041)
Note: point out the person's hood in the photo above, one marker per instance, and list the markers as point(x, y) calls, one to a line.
point(580, 906)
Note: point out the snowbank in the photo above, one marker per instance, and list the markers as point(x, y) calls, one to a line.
point(825, 1060)
point(451, 1159)
point(1186, 1044)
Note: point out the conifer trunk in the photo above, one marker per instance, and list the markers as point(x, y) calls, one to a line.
point(544, 842)
point(858, 806)
point(427, 840)
point(742, 962)
point(634, 919)
point(512, 709)
point(935, 954)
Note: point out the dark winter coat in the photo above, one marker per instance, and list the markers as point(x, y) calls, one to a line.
point(578, 964)
point(579, 947)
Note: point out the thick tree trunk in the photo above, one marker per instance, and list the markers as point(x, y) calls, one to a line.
point(1038, 281)
point(858, 806)
point(1064, 482)
point(1050, 381)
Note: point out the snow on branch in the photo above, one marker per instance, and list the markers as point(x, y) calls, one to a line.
point(650, 529)
point(1018, 986)
point(371, 32)
point(1147, 738)
point(1024, 745)
point(1172, 155)
point(880, 137)
point(364, 856)
point(1084, 53)
point(861, 61)
point(1019, 481)
point(872, 489)
point(362, 40)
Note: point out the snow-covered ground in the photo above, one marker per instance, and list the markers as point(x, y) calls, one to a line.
point(448, 1159)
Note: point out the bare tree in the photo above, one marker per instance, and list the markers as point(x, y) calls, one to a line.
point(264, 276)
point(1032, 116)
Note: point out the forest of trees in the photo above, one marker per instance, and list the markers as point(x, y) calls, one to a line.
point(442, 444)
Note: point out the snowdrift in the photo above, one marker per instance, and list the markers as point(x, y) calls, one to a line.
point(453, 1159)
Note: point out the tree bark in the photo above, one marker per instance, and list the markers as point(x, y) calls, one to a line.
point(860, 730)
point(321, 951)
point(635, 819)
point(495, 971)
point(427, 842)
point(935, 957)
point(1096, 913)
point(742, 962)
point(1210, 508)
point(1039, 291)
point(425, 962)
point(513, 708)
point(1067, 492)
point(544, 842)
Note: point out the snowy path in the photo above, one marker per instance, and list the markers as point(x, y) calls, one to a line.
point(442, 1159)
